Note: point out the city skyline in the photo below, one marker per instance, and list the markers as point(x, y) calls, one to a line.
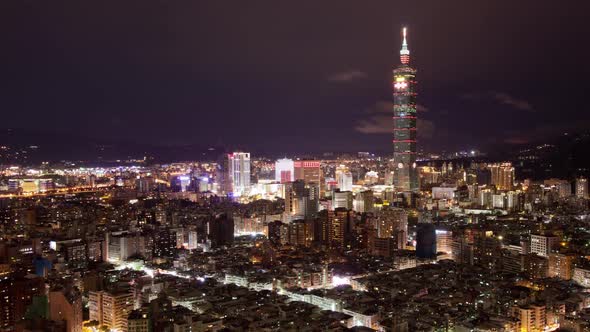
point(277, 166)
point(171, 75)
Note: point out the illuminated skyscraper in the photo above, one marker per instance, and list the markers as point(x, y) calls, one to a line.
point(404, 122)
point(342, 199)
point(111, 308)
point(284, 170)
point(301, 200)
point(239, 171)
point(344, 178)
point(503, 176)
point(582, 187)
point(307, 170)
point(393, 223)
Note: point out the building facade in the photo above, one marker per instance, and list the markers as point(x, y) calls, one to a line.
point(404, 122)
point(111, 308)
point(239, 172)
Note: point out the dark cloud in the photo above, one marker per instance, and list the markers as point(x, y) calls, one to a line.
point(421, 108)
point(501, 98)
point(382, 106)
point(347, 76)
point(377, 122)
point(537, 134)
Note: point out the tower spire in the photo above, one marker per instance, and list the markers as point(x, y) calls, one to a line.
point(404, 53)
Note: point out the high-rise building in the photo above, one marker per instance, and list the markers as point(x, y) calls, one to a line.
point(486, 247)
point(404, 122)
point(220, 230)
point(239, 172)
point(514, 200)
point(582, 188)
point(95, 250)
point(561, 265)
point(193, 239)
point(581, 276)
point(563, 188)
point(16, 294)
point(66, 305)
point(274, 231)
point(543, 245)
point(499, 201)
point(391, 221)
point(46, 185)
point(139, 321)
point(363, 201)
point(122, 245)
point(462, 251)
point(384, 247)
point(502, 176)
point(339, 225)
point(301, 200)
point(393, 224)
point(531, 317)
point(111, 308)
point(184, 182)
point(307, 170)
point(146, 184)
point(485, 198)
point(425, 241)
point(342, 199)
point(344, 178)
point(164, 242)
point(444, 241)
point(284, 170)
point(301, 233)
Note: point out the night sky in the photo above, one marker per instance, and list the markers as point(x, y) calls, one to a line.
point(291, 76)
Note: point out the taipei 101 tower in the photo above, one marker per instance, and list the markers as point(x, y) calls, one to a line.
point(404, 123)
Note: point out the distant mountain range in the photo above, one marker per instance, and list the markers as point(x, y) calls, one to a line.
point(565, 156)
point(39, 146)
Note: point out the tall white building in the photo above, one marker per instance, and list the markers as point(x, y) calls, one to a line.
point(184, 181)
point(581, 187)
point(239, 172)
point(502, 175)
point(122, 245)
point(363, 201)
point(582, 277)
point(444, 241)
point(543, 245)
point(301, 200)
point(512, 200)
point(110, 308)
point(342, 199)
point(284, 170)
point(499, 201)
point(344, 178)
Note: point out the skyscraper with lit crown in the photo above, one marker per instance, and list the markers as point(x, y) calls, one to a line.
point(404, 122)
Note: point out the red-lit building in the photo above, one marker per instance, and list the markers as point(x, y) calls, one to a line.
point(307, 170)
